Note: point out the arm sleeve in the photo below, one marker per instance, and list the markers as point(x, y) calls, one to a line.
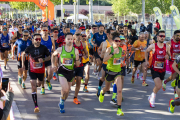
point(8, 103)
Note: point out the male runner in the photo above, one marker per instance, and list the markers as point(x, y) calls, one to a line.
point(4, 45)
point(21, 45)
point(78, 71)
point(139, 47)
point(39, 54)
point(47, 41)
point(176, 67)
point(69, 56)
point(99, 38)
point(161, 53)
point(175, 51)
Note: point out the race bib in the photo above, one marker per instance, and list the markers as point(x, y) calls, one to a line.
point(4, 44)
point(159, 65)
point(67, 61)
point(144, 49)
point(37, 65)
point(117, 61)
point(175, 55)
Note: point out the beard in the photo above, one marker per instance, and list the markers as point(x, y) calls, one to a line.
point(161, 41)
point(177, 40)
point(37, 43)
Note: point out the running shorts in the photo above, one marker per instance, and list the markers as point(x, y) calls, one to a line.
point(65, 73)
point(47, 63)
point(79, 71)
point(123, 71)
point(111, 76)
point(35, 76)
point(20, 64)
point(157, 74)
point(136, 63)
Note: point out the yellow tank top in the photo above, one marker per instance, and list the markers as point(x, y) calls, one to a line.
point(86, 60)
point(108, 45)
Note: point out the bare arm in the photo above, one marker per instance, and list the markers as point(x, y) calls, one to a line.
point(55, 53)
point(168, 43)
point(175, 68)
point(13, 49)
point(104, 45)
point(53, 44)
point(23, 58)
point(77, 62)
point(14, 36)
point(92, 42)
point(168, 50)
point(150, 48)
point(134, 49)
point(100, 49)
point(107, 55)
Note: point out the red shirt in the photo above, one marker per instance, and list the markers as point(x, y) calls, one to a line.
point(80, 49)
point(174, 50)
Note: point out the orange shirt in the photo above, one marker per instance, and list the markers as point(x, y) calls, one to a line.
point(124, 51)
point(140, 54)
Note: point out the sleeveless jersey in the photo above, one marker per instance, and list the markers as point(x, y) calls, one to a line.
point(19, 36)
point(4, 41)
point(81, 52)
point(68, 58)
point(158, 60)
point(124, 51)
point(175, 50)
point(108, 45)
point(47, 43)
point(86, 60)
point(114, 63)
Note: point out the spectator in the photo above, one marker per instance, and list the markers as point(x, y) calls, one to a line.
point(136, 25)
point(115, 23)
point(121, 23)
point(149, 27)
point(110, 23)
point(126, 23)
point(142, 27)
point(129, 26)
point(98, 23)
point(133, 25)
point(134, 36)
point(158, 25)
point(72, 30)
point(4, 113)
point(156, 30)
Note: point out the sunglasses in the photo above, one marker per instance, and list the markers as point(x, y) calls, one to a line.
point(162, 36)
point(177, 35)
point(83, 35)
point(78, 34)
point(5, 29)
point(117, 40)
point(55, 31)
point(20, 27)
point(94, 28)
point(45, 30)
point(83, 29)
point(25, 35)
point(121, 31)
point(37, 39)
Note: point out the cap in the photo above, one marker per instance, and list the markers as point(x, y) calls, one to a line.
point(126, 20)
point(142, 23)
point(51, 25)
point(122, 37)
point(38, 29)
point(82, 27)
point(149, 21)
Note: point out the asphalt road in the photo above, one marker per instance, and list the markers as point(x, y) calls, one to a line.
point(135, 104)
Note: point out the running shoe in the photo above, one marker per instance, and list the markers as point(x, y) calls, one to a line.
point(171, 108)
point(5, 67)
point(151, 102)
point(36, 110)
point(119, 112)
point(128, 71)
point(23, 86)
point(173, 83)
point(61, 109)
point(163, 86)
point(54, 78)
point(20, 81)
point(76, 101)
point(132, 80)
point(82, 81)
point(97, 93)
point(137, 75)
point(176, 96)
point(144, 84)
point(49, 85)
point(141, 78)
point(42, 91)
point(113, 101)
point(101, 97)
point(85, 89)
point(97, 75)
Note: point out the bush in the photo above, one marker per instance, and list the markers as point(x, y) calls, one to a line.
point(109, 13)
point(84, 12)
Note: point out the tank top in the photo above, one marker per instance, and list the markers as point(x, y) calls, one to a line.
point(81, 52)
point(4, 41)
point(86, 60)
point(47, 43)
point(19, 36)
point(68, 58)
point(158, 60)
point(108, 45)
point(124, 51)
point(114, 63)
point(175, 50)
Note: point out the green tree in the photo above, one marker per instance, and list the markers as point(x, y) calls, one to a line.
point(23, 5)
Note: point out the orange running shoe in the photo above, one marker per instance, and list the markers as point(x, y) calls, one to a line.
point(76, 101)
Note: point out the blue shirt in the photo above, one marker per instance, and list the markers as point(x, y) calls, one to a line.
point(32, 28)
point(4, 41)
point(72, 31)
point(90, 40)
point(60, 34)
point(99, 38)
point(47, 43)
point(22, 45)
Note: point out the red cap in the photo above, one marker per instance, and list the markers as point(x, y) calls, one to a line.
point(82, 27)
point(51, 25)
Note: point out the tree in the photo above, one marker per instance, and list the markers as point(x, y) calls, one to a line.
point(109, 13)
point(84, 12)
point(23, 5)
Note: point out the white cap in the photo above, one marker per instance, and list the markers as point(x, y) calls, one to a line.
point(142, 23)
point(149, 21)
point(38, 29)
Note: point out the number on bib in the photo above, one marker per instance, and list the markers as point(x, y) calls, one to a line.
point(117, 61)
point(159, 65)
point(37, 65)
point(175, 55)
point(67, 61)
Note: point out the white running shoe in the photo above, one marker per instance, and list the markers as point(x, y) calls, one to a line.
point(151, 101)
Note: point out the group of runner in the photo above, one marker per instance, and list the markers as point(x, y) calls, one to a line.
point(54, 52)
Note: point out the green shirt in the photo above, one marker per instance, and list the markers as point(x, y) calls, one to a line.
point(114, 63)
point(68, 58)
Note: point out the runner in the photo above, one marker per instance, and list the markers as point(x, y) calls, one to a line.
point(21, 45)
point(161, 52)
point(176, 67)
point(69, 56)
point(47, 41)
point(113, 56)
point(99, 38)
point(78, 71)
point(139, 47)
point(4, 45)
point(39, 54)
point(103, 47)
point(175, 51)
point(123, 70)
